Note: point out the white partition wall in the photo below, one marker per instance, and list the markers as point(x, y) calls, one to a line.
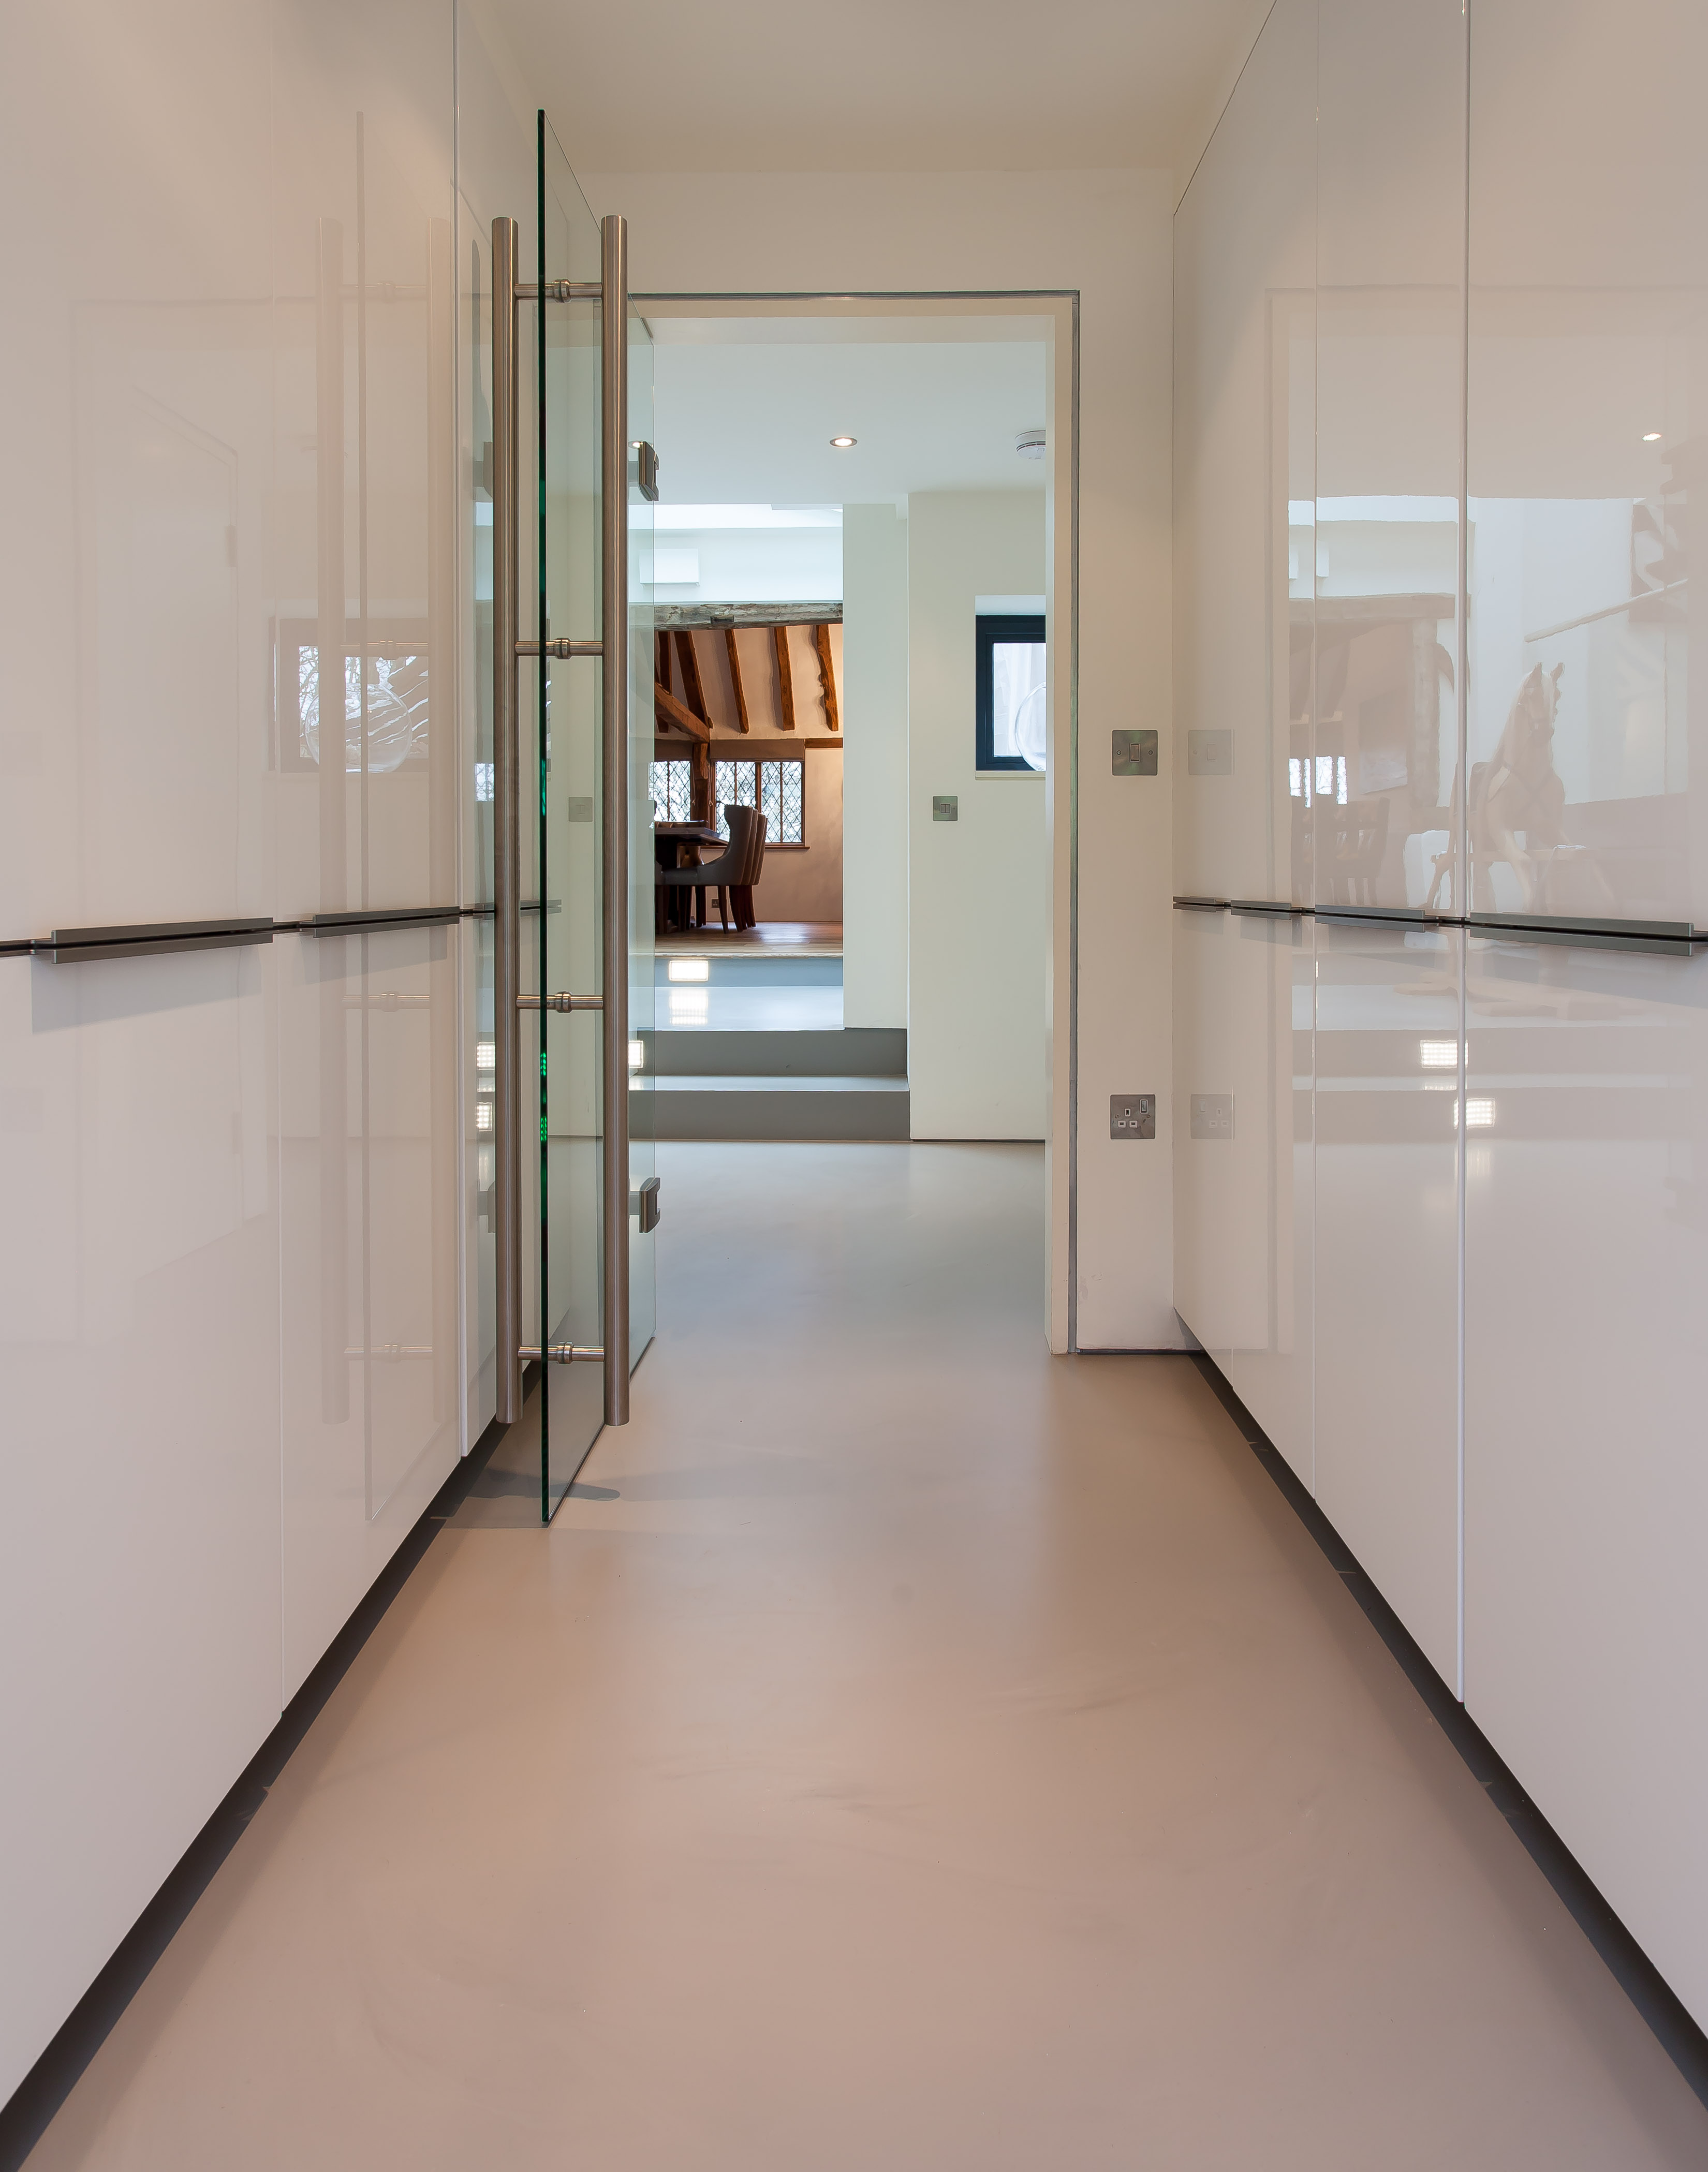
point(239, 581)
point(1440, 405)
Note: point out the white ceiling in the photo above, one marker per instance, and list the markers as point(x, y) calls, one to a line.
point(754, 86)
point(742, 416)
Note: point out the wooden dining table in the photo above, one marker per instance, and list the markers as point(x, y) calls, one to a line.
point(676, 844)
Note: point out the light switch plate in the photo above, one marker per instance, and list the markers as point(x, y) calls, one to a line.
point(581, 810)
point(1132, 1115)
point(945, 807)
point(1209, 753)
point(1212, 1115)
point(1133, 754)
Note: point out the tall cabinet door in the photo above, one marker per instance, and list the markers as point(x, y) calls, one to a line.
point(1382, 793)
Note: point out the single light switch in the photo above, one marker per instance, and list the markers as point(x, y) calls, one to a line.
point(1209, 753)
point(581, 810)
point(1132, 1115)
point(1133, 754)
point(1212, 1115)
point(945, 807)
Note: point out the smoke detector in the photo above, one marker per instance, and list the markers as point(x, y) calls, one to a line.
point(1030, 444)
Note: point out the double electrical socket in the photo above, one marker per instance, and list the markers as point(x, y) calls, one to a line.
point(1212, 1115)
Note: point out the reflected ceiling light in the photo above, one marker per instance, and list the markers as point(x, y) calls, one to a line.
point(1030, 444)
point(690, 969)
point(1652, 437)
point(842, 444)
point(636, 1055)
point(1439, 1055)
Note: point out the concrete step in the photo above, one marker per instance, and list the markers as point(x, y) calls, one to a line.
point(701, 1105)
point(796, 1053)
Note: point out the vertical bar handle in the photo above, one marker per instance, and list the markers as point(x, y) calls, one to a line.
point(614, 682)
point(507, 895)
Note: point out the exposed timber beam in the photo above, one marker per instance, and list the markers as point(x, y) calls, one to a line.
point(735, 656)
point(825, 613)
point(693, 690)
point(827, 676)
point(667, 710)
point(785, 683)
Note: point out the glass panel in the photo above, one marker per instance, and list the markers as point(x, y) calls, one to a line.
point(1017, 701)
point(642, 993)
point(567, 774)
point(570, 772)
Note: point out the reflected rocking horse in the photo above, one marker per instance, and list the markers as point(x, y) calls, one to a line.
point(1517, 789)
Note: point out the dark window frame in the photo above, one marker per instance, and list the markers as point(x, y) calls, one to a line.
point(990, 628)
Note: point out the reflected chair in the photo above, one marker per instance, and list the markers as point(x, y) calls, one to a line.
point(1360, 845)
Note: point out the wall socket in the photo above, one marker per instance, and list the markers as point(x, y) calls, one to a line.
point(1132, 1115)
point(1212, 1115)
point(1209, 753)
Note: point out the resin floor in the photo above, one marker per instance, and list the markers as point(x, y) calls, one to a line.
point(905, 1750)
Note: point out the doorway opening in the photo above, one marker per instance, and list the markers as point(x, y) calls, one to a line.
point(857, 577)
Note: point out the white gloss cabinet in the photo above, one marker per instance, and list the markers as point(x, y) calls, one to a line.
point(1585, 1383)
point(139, 1559)
point(1441, 385)
point(1387, 1265)
point(1244, 271)
point(1244, 1207)
point(232, 1311)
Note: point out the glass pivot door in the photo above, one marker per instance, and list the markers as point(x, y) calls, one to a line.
point(579, 931)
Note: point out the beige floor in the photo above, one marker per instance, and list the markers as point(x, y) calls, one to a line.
point(917, 1756)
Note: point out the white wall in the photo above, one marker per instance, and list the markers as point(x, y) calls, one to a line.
point(1104, 235)
point(750, 565)
point(975, 937)
point(875, 766)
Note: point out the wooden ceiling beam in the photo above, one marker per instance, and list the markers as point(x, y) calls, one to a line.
point(667, 710)
point(735, 656)
point(827, 675)
point(785, 682)
point(693, 687)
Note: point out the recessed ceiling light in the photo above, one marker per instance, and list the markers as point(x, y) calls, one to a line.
point(1652, 437)
point(842, 444)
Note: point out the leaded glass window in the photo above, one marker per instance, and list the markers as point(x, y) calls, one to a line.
point(672, 791)
point(776, 788)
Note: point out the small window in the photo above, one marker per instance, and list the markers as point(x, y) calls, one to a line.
point(672, 791)
point(774, 788)
point(1010, 692)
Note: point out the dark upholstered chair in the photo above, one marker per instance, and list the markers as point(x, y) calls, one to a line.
point(726, 871)
point(741, 889)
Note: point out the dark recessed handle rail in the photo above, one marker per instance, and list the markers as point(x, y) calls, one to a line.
point(1200, 905)
point(77, 946)
point(1265, 908)
point(365, 922)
